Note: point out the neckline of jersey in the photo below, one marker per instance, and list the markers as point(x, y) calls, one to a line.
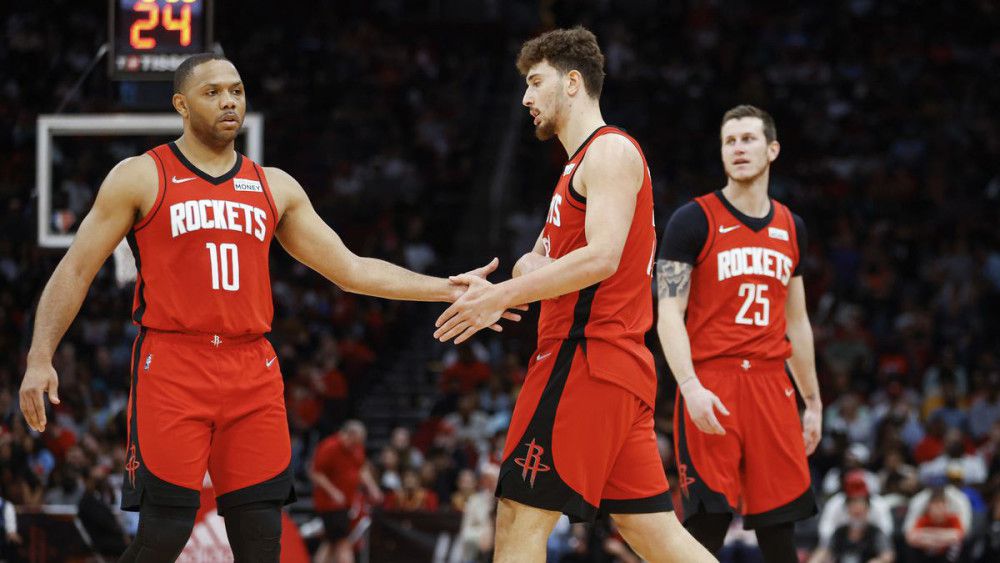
point(214, 180)
point(590, 138)
point(755, 224)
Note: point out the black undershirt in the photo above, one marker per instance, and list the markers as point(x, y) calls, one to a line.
point(687, 231)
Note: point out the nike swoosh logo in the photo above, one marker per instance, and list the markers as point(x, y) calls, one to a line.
point(177, 180)
point(725, 230)
point(788, 392)
point(541, 357)
point(271, 361)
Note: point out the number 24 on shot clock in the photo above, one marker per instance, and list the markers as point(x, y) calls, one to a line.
point(150, 38)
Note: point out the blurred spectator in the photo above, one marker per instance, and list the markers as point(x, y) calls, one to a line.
point(469, 424)
point(858, 539)
point(955, 503)
point(932, 445)
point(937, 533)
point(338, 469)
point(465, 487)
point(413, 496)
point(899, 480)
point(9, 538)
point(98, 518)
point(466, 374)
point(855, 458)
point(409, 456)
point(389, 467)
point(849, 416)
point(476, 533)
point(971, 466)
point(840, 513)
point(987, 548)
point(984, 411)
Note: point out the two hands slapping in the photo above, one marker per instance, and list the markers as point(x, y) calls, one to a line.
point(477, 304)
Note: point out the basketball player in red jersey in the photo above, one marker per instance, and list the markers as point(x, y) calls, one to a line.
point(732, 310)
point(206, 390)
point(581, 439)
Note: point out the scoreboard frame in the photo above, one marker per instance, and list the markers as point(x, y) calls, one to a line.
point(157, 62)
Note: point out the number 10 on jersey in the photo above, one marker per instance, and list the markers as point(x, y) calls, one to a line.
point(225, 265)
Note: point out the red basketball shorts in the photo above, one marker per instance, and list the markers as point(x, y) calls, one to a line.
point(578, 444)
point(205, 403)
point(761, 459)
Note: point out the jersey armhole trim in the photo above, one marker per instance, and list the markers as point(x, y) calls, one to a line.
point(710, 239)
point(161, 191)
point(793, 234)
point(267, 194)
point(583, 149)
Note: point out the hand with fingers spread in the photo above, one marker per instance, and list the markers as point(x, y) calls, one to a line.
point(480, 307)
point(40, 378)
point(465, 282)
point(701, 405)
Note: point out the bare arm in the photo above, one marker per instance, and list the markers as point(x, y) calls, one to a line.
point(611, 178)
point(673, 281)
point(113, 214)
point(374, 491)
point(311, 241)
point(803, 362)
point(323, 482)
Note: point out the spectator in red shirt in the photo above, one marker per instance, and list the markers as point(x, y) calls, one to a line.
point(467, 373)
point(937, 535)
point(338, 468)
point(413, 495)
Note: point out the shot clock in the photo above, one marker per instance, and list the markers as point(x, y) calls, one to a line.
point(150, 38)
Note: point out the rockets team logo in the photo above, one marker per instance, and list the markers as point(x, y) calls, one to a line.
point(131, 465)
point(532, 462)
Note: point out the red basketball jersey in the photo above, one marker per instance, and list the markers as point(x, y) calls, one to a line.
point(615, 314)
point(739, 286)
point(202, 250)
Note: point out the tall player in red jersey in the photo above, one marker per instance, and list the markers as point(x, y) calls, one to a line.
point(581, 438)
point(730, 262)
point(206, 389)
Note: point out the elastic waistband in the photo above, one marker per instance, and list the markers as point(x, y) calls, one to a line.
point(739, 364)
point(200, 339)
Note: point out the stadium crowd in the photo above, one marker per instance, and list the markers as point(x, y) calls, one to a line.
point(889, 153)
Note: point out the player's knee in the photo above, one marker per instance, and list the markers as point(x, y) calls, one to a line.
point(254, 532)
point(521, 519)
point(163, 533)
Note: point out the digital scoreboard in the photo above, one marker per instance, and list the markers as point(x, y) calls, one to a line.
point(150, 38)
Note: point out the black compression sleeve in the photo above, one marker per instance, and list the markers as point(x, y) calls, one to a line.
point(802, 237)
point(685, 234)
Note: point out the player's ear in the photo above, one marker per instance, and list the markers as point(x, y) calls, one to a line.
point(180, 104)
point(772, 151)
point(574, 82)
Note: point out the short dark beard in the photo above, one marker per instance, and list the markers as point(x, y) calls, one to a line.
point(210, 137)
point(545, 131)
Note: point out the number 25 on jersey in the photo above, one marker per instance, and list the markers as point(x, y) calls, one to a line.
point(225, 260)
point(754, 294)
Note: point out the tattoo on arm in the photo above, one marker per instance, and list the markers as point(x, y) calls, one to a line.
point(673, 278)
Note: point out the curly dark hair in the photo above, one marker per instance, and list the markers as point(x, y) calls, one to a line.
point(566, 50)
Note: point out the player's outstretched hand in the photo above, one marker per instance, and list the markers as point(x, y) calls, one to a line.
point(461, 284)
point(701, 405)
point(480, 307)
point(812, 428)
point(38, 380)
